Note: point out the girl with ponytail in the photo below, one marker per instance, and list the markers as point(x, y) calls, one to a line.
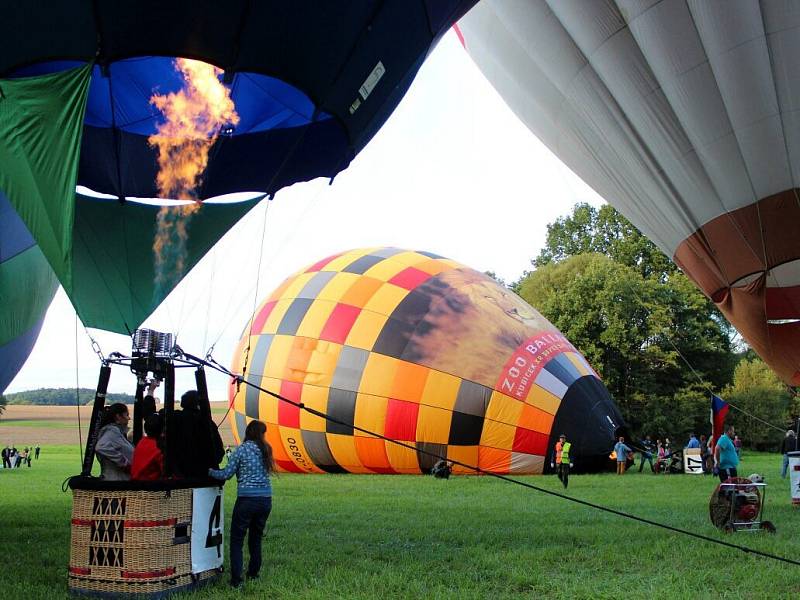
point(252, 464)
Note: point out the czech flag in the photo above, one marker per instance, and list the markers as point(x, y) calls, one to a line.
point(719, 410)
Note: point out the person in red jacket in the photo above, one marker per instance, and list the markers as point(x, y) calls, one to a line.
point(148, 460)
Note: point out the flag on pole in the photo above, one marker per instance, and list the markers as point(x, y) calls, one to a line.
point(719, 410)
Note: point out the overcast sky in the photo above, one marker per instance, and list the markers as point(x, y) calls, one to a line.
point(452, 171)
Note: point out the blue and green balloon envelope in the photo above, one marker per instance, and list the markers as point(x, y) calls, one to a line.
point(422, 350)
point(27, 285)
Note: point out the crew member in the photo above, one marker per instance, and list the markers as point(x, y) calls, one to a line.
point(561, 459)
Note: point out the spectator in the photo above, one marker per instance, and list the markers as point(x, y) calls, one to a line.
point(704, 454)
point(646, 453)
point(737, 443)
point(6, 457)
point(622, 451)
point(38, 449)
point(788, 444)
point(725, 457)
point(693, 442)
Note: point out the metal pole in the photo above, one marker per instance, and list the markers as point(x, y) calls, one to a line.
point(169, 407)
point(94, 424)
point(202, 392)
point(138, 416)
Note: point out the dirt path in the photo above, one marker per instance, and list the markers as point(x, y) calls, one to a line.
point(25, 425)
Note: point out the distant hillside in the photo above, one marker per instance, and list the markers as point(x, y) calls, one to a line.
point(62, 397)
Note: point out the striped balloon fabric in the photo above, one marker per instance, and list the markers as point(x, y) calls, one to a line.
point(419, 349)
point(684, 116)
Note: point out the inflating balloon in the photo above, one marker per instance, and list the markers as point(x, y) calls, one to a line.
point(311, 83)
point(84, 86)
point(683, 115)
point(420, 349)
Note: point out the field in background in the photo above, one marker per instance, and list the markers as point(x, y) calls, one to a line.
point(371, 536)
point(25, 425)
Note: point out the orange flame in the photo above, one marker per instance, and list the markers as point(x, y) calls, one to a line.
point(193, 118)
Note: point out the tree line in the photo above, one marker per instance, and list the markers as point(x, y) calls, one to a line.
point(62, 397)
point(660, 346)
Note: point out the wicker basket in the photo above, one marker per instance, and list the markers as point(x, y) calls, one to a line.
point(132, 542)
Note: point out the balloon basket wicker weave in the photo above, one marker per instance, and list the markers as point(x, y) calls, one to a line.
point(132, 543)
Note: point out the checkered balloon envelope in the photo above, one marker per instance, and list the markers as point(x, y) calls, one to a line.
point(420, 349)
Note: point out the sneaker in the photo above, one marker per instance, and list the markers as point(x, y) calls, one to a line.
point(236, 583)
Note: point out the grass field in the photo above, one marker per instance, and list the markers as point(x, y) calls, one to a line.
point(468, 537)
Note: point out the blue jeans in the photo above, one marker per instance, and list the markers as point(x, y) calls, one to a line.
point(250, 515)
point(785, 467)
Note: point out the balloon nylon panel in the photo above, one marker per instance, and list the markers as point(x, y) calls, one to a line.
point(113, 261)
point(41, 120)
point(27, 285)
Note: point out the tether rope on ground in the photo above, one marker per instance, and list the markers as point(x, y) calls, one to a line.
point(239, 379)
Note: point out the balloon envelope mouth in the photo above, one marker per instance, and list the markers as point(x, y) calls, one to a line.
point(263, 103)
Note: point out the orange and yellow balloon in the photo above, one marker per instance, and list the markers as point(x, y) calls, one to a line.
point(420, 349)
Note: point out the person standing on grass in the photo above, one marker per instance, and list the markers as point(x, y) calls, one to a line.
point(788, 444)
point(646, 453)
point(252, 464)
point(725, 457)
point(737, 443)
point(561, 459)
point(6, 457)
point(704, 454)
point(38, 449)
point(621, 449)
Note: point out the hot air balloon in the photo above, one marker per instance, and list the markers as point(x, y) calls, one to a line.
point(311, 83)
point(419, 349)
point(683, 115)
point(27, 286)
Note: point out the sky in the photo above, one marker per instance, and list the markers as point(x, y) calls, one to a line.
point(453, 171)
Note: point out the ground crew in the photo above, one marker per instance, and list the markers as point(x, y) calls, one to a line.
point(561, 459)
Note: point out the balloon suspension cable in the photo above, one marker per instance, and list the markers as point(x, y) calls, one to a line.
point(289, 232)
point(211, 363)
point(77, 389)
point(95, 346)
point(255, 294)
point(702, 381)
point(269, 190)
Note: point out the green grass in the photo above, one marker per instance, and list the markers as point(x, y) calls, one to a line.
point(468, 537)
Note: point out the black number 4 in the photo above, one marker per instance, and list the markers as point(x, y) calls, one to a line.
point(215, 539)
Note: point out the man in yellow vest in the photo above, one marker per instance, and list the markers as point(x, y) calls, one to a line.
point(561, 459)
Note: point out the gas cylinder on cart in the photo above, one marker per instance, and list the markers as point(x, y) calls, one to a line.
point(794, 477)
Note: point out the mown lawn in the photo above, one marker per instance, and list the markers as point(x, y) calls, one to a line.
point(469, 537)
